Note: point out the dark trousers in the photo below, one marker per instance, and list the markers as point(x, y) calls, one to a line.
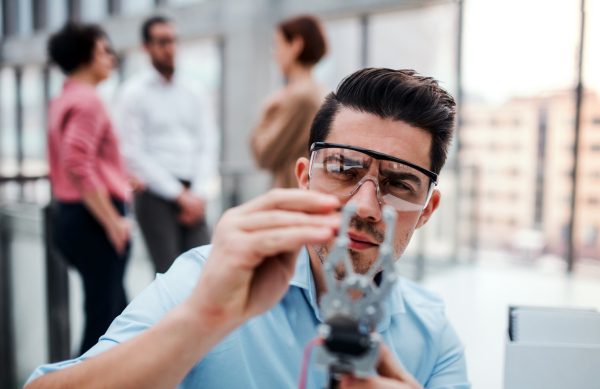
point(165, 238)
point(83, 242)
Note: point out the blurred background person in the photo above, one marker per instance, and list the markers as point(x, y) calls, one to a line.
point(281, 136)
point(88, 176)
point(170, 146)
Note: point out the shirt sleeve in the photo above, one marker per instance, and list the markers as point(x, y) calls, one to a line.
point(450, 370)
point(129, 121)
point(207, 155)
point(161, 296)
point(83, 133)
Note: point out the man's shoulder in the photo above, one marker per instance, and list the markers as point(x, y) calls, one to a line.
point(422, 305)
point(424, 309)
point(417, 297)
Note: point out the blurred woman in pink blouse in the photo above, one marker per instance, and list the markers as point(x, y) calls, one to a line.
point(88, 177)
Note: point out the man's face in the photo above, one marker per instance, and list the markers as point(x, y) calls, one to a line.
point(367, 228)
point(162, 47)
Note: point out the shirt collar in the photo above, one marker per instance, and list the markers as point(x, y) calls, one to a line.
point(303, 279)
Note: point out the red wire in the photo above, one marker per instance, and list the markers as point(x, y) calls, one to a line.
point(305, 359)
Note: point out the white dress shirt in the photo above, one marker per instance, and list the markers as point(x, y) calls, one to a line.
point(168, 134)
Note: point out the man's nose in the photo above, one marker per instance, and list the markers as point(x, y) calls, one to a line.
point(367, 205)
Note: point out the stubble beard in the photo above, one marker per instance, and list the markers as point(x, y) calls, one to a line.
point(167, 70)
point(360, 261)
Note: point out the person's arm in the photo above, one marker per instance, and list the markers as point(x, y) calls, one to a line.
point(279, 128)
point(116, 226)
point(246, 273)
point(129, 121)
point(82, 136)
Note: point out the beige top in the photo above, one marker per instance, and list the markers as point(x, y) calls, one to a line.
point(282, 133)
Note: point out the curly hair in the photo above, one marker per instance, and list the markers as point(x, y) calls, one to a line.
point(73, 45)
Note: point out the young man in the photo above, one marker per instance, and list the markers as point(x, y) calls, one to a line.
point(239, 313)
point(169, 142)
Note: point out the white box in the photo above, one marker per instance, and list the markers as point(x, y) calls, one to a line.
point(552, 348)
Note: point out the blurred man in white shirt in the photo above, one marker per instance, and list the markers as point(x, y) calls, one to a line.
point(169, 142)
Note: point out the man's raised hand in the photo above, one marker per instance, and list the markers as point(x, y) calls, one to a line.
point(254, 254)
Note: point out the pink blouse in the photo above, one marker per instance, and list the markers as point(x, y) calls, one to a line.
point(83, 148)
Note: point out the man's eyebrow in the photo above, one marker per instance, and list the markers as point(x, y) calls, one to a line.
point(401, 176)
point(343, 158)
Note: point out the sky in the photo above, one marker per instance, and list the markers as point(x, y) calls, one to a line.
point(523, 47)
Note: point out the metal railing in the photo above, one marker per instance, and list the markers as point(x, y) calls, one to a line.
point(56, 288)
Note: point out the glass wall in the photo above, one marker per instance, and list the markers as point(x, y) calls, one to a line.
point(519, 128)
point(136, 7)
point(423, 39)
point(93, 11)
point(8, 119)
point(344, 39)
point(34, 123)
point(57, 13)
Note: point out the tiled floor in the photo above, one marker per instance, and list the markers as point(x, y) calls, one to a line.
point(477, 300)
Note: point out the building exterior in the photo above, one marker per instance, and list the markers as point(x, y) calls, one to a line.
point(523, 150)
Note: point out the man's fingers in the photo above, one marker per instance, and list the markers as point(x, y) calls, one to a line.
point(292, 200)
point(277, 219)
point(350, 382)
point(281, 240)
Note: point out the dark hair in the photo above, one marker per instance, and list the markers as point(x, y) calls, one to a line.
point(398, 94)
point(73, 45)
point(147, 25)
point(309, 29)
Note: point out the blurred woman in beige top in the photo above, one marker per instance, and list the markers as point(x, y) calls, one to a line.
point(281, 136)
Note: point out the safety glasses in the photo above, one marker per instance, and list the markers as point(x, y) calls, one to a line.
point(342, 169)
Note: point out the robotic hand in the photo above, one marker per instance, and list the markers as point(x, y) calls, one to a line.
point(353, 307)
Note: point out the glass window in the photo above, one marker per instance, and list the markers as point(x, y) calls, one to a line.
point(8, 123)
point(199, 64)
point(528, 56)
point(25, 15)
point(94, 10)
point(56, 81)
point(183, 2)
point(136, 7)
point(1, 21)
point(591, 56)
point(422, 39)
point(343, 57)
point(57, 14)
point(34, 133)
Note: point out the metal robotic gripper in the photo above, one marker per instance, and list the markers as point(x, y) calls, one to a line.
point(354, 305)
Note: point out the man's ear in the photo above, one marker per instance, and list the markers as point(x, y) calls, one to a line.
point(434, 202)
point(302, 165)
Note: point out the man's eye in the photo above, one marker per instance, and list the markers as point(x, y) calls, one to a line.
point(399, 184)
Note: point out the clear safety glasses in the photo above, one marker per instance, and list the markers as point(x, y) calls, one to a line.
point(341, 170)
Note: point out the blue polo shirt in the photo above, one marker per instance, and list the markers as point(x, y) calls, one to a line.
point(266, 352)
